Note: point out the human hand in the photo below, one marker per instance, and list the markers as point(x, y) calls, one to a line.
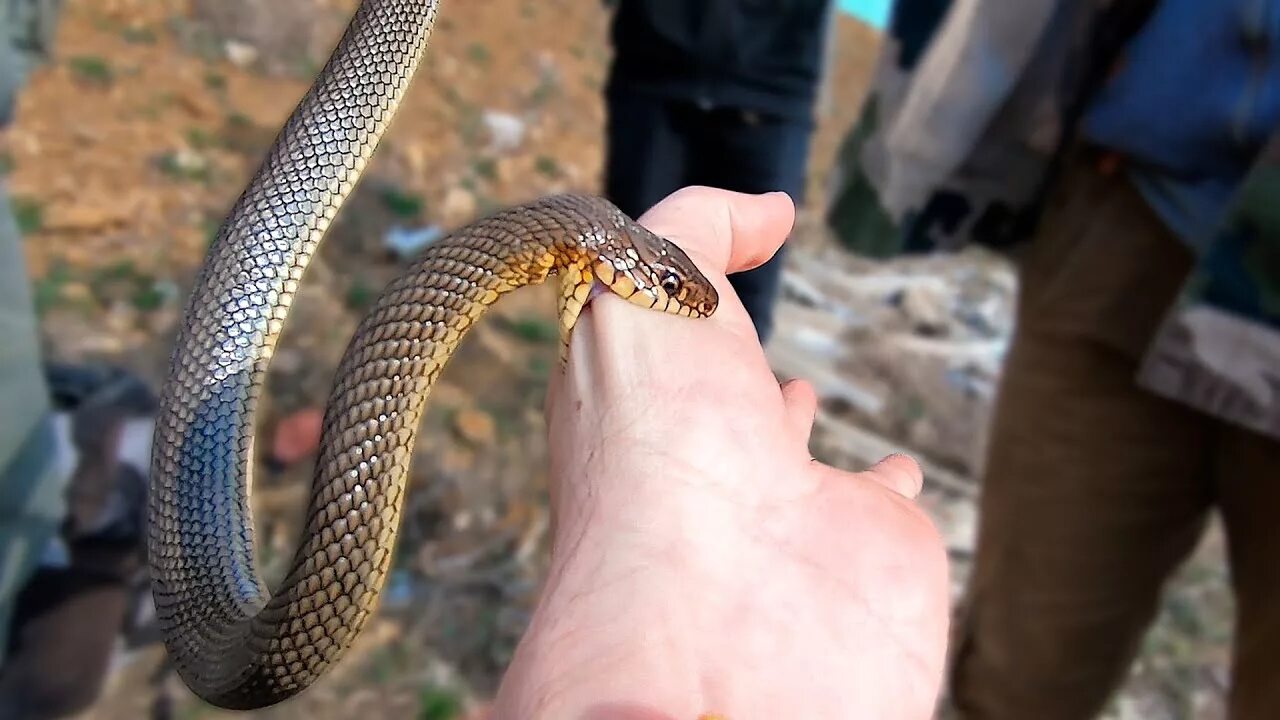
point(703, 562)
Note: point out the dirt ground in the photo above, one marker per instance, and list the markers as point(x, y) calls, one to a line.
point(133, 142)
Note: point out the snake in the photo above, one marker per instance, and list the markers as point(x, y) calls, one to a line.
point(236, 643)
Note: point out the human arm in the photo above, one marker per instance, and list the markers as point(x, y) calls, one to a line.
point(703, 561)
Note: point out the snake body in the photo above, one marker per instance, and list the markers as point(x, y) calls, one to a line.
point(235, 643)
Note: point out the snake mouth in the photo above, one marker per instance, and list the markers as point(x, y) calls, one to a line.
point(597, 288)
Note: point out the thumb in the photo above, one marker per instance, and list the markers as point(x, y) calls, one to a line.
point(724, 231)
point(897, 472)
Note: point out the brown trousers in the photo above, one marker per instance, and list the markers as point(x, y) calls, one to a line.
point(1095, 490)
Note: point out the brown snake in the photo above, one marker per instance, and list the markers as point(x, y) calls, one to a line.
point(233, 642)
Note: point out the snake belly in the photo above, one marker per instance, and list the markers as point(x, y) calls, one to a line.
point(232, 641)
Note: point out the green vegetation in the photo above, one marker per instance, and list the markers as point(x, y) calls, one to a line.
point(149, 297)
point(92, 70)
point(29, 214)
point(486, 168)
point(48, 289)
point(547, 166)
point(123, 280)
point(360, 295)
point(535, 330)
point(539, 367)
point(403, 204)
point(478, 54)
point(185, 166)
point(139, 35)
point(439, 704)
point(470, 124)
point(199, 138)
point(547, 88)
point(215, 80)
point(155, 105)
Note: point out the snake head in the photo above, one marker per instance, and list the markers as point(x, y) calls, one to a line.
point(653, 272)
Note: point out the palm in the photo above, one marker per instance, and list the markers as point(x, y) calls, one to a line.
point(703, 562)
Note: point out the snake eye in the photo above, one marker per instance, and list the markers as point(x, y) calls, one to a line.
point(671, 283)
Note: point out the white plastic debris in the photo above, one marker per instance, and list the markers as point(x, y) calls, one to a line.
point(408, 242)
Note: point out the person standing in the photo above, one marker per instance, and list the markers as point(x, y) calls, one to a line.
point(718, 93)
point(1127, 155)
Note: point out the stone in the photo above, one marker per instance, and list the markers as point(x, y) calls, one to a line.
point(297, 435)
point(506, 131)
point(475, 426)
point(241, 54)
point(926, 309)
point(458, 207)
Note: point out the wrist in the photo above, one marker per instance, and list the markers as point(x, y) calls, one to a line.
point(628, 594)
point(605, 643)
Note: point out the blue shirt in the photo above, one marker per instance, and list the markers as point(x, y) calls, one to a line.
point(1195, 99)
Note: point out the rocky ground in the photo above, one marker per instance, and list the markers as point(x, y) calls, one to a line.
point(132, 143)
point(905, 356)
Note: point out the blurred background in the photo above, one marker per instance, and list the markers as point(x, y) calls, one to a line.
point(129, 146)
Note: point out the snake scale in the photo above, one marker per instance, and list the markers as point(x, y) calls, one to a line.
point(235, 643)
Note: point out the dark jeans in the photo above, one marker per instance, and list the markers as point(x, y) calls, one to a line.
point(658, 146)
